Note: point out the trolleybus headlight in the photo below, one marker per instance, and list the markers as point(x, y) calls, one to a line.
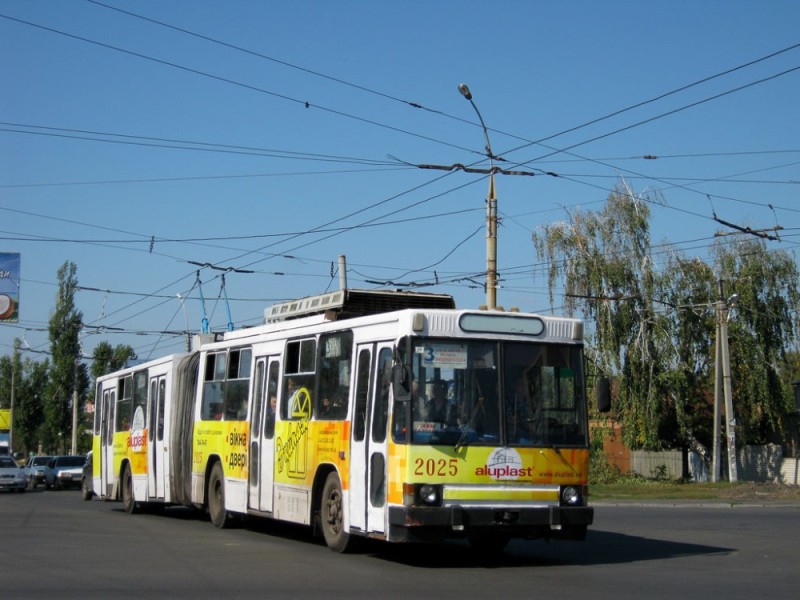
point(571, 496)
point(430, 495)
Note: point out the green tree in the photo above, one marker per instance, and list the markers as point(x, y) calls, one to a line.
point(67, 372)
point(609, 277)
point(106, 359)
point(30, 379)
point(762, 328)
point(654, 325)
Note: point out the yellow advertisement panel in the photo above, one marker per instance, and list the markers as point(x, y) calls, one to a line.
point(226, 439)
point(131, 445)
point(302, 445)
point(474, 466)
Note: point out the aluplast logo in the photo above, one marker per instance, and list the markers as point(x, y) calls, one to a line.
point(504, 464)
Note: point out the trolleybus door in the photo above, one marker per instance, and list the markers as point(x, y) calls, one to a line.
point(368, 441)
point(262, 431)
point(155, 437)
point(107, 440)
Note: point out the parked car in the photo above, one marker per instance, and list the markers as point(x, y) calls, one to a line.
point(12, 476)
point(64, 471)
point(35, 468)
point(87, 486)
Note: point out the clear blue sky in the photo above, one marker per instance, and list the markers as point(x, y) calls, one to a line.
point(186, 124)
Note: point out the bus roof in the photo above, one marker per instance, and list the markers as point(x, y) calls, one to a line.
point(349, 303)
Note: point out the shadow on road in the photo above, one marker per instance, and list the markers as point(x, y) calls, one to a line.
point(600, 548)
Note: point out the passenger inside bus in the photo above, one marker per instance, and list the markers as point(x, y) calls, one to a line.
point(438, 408)
point(269, 426)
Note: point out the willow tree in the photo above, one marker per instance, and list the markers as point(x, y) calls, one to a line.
point(762, 328)
point(604, 262)
point(652, 327)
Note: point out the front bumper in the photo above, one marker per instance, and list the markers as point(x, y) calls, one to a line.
point(13, 484)
point(67, 479)
point(416, 523)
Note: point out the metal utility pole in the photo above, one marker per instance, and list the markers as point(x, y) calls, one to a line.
point(491, 211)
point(723, 380)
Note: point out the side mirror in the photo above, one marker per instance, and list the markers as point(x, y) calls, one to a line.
point(603, 395)
point(401, 380)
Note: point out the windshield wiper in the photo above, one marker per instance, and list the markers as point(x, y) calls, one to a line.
point(462, 440)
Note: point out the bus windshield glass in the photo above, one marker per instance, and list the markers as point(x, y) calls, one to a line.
point(471, 392)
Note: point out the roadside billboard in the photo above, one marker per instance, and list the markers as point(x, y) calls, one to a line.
point(9, 287)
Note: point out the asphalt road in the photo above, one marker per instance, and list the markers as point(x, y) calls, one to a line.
point(54, 545)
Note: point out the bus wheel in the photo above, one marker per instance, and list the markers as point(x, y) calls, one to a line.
point(86, 489)
point(332, 515)
point(128, 503)
point(216, 497)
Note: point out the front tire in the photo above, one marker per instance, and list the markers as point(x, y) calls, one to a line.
point(86, 491)
point(216, 497)
point(128, 501)
point(332, 515)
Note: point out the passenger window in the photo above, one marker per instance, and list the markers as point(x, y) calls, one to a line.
point(335, 356)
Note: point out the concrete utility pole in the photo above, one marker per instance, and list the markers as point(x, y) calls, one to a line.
point(11, 415)
point(716, 466)
point(74, 445)
point(723, 381)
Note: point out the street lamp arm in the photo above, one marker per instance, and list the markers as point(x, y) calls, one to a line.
point(462, 87)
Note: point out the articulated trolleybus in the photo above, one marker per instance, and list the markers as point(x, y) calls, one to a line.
point(362, 413)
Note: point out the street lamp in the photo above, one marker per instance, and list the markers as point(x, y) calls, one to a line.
point(491, 211)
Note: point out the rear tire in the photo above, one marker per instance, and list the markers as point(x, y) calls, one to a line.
point(128, 501)
point(216, 497)
point(332, 516)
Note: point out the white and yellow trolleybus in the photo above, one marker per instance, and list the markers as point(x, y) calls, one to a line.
point(387, 415)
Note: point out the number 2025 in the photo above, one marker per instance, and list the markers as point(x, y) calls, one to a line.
point(436, 467)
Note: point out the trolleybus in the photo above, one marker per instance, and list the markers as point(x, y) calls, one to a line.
point(363, 414)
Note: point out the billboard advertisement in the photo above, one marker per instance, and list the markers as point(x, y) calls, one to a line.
point(9, 287)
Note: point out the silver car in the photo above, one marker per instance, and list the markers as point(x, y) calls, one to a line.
point(35, 468)
point(64, 471)
point(12, 476)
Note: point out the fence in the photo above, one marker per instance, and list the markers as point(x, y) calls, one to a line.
point(754, 463)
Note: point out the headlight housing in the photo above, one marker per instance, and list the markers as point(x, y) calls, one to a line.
point(573, 495)
point(422, 494)
point(430, 495)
